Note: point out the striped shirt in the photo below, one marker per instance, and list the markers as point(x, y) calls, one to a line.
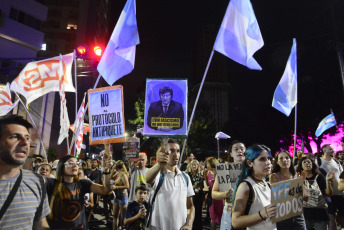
point(29, 204)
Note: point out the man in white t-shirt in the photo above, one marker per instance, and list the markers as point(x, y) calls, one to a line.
point(175, 195)
point(138, 175)
point(330, 164)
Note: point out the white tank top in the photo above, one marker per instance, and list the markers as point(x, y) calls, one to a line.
point(262, 198)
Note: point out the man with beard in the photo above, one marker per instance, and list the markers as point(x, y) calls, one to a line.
point(138, 175)
point(173, 190)
point(29, 206)
point(329, 163)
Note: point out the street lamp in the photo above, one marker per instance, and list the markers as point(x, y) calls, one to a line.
point(218, 136)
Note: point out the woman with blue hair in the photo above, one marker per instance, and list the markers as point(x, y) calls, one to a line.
point(252, 207)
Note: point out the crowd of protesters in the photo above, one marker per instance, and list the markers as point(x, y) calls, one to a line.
point(64, 194)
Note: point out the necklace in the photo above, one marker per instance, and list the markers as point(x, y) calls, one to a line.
point(256, 180)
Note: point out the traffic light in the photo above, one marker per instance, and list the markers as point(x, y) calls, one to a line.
point(98, 51)
point(82, 51)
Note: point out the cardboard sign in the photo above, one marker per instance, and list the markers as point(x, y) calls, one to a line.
point(166, 108)
point(131, 149)
point(106, 115)
point(288, 197)
point(227, 174)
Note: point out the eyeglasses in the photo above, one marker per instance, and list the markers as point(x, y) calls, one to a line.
point(71, 164)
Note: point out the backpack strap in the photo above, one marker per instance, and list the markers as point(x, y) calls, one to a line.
point(250, 198)
point(186, 178)
point(11, 195)
point(319, 161)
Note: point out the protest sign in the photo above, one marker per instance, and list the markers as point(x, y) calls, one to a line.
point(227, 173)
point(287, 195)
point(106, 115)
point(166, 108)
point(131, 149)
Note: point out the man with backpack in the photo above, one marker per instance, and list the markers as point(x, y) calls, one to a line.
point(171, 191)
point(329, 163)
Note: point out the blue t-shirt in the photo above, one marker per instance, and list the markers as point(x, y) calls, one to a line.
point(133, 209)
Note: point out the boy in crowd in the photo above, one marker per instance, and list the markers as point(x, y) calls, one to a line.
point(136, 212)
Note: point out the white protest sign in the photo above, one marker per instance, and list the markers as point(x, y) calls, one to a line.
point(287, 195)
point(106, 115)
point(227, 173)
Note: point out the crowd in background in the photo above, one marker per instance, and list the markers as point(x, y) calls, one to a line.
point(72, 188)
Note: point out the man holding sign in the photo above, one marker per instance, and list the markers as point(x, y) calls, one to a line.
point(223, 188)
point(172, 189)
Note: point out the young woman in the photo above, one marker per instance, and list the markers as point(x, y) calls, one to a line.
point(120, 176)
point(66, 194)
point(256, 167)
point(283, 169)
point(197, 180)
point(216, 207)
point(237, 155)
point(316, 217)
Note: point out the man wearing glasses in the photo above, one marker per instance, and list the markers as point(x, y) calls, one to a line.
point(29, 206)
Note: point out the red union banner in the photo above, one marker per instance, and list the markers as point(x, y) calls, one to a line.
point(41, 77)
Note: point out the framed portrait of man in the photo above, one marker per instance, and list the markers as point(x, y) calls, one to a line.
point(166, 108)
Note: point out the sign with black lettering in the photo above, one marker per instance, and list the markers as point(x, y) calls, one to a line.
point(287, 195)
point(166, 108)
point(227, 174)
point(106, 115)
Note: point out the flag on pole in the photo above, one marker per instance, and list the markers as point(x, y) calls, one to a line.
point(64, 119)
point(285, 96)
point(239, 36)
point(6, 104)
point(41, 77)
point(119, 56)
point(79, 126)
point(325, 124)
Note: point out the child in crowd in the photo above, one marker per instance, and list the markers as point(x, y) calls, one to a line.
point(136, 212)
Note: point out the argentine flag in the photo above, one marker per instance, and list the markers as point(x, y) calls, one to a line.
point(285, 96)
point(119, 56)
point(239, 36)
point(325, 124)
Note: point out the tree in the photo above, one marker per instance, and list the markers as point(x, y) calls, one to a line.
point(52, 154)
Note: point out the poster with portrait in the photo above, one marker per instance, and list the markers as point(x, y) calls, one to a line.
point(166, 108)
point(106, 115)
point(131, 149)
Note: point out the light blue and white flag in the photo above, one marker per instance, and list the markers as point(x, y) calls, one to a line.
point(119, 56)
point(285, 96)
point(325, 124)
point(239, 36)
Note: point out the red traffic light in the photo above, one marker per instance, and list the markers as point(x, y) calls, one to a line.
point(98, 51)
point(82, 51)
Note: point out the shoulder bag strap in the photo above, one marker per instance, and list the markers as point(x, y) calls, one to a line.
point(161, 180)
point(11, 195)
point(250, 198)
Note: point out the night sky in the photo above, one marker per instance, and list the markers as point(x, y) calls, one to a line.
point(169, 38)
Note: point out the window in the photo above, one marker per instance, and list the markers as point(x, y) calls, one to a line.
point(25, 19)
point(72, 27)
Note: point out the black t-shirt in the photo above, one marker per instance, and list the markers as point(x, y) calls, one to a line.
point(73, 214)
point(95, 176)
point(341, 176)
point(133, 209)
point(319, 214)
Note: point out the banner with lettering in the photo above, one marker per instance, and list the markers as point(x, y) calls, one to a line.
point(41, 77)
point(166, 108)
point(287, 195)
point(106, 115)
point(227, 174)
